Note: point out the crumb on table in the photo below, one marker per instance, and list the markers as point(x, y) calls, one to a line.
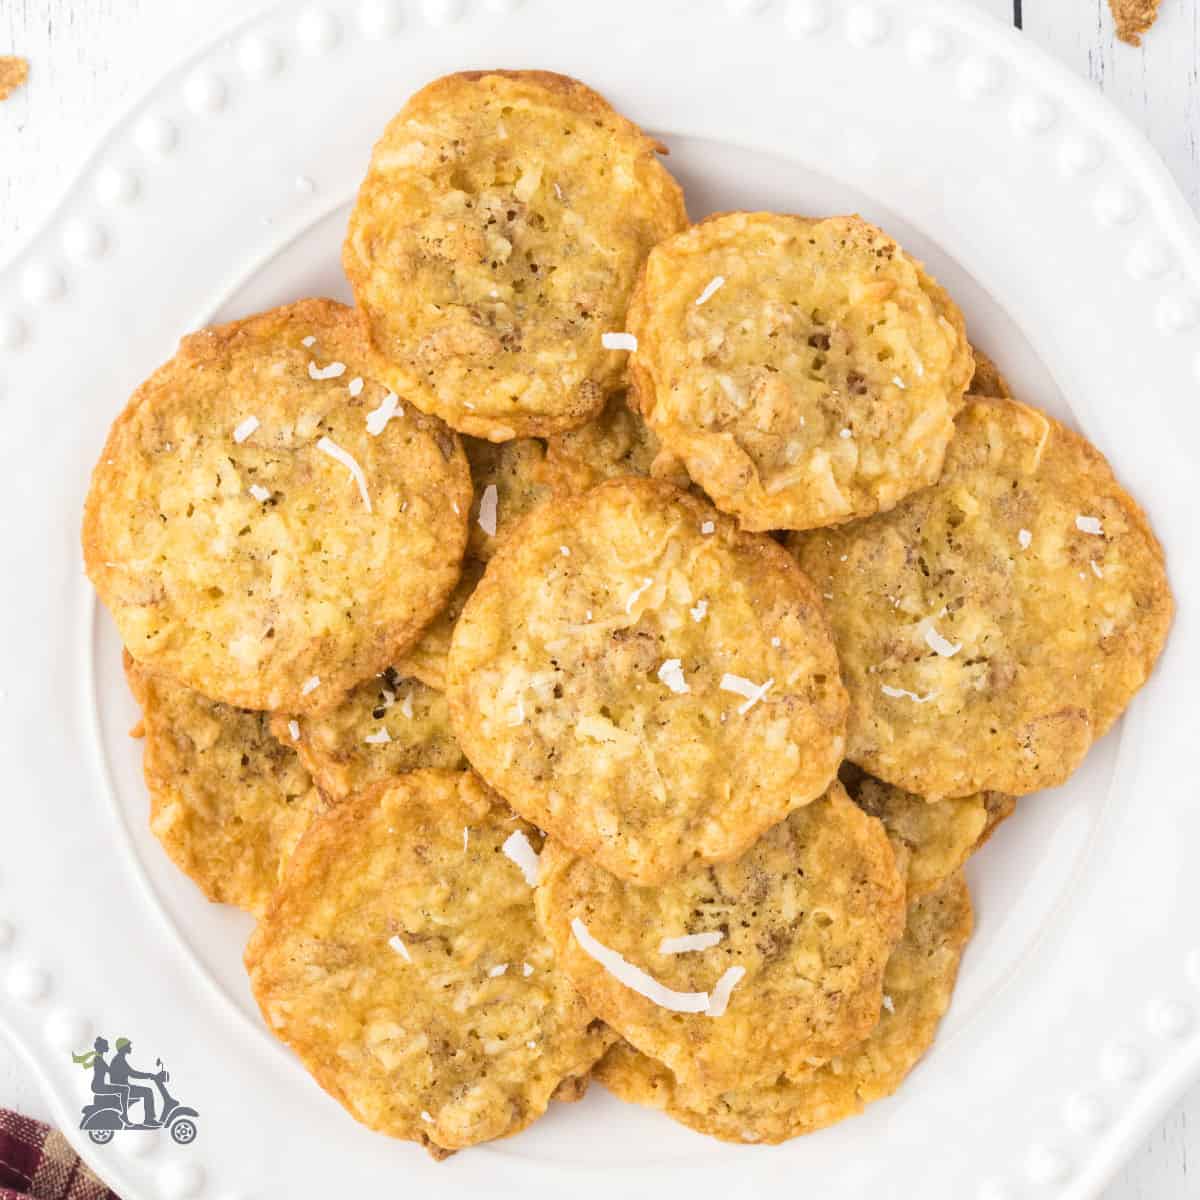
point(1133, 18)
point(13, 72)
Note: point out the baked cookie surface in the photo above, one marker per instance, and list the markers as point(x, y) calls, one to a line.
point(248, 531)
point(426, 659)
point(645, 682)
point(402, 961)
point(228, 803)
point(616, 442)
point(496, 239)
point(807, 372)
point(801, 927)
point(932, 839)
point(387, 725)
point(918, 985)
point(991, 627)
point(510, 479)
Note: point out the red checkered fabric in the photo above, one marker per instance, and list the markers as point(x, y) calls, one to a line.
point(37, 1162)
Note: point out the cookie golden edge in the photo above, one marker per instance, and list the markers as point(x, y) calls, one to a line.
point(828, 1095)
point(584, 99)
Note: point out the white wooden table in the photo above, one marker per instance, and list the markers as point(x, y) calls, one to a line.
point(91, 57)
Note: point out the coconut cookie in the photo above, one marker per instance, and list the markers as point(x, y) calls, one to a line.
point(734, 973)
point(932, 840)
point(401, 960)
point(645, 682)
point(386, 726)
point(266, 523)
point(987, 380)
point(807, 372)
point(992, 627)
point(615, 443)
point(510, 479)
point(918, 985)
point(426, 660)
point(227, 801)
point(494, 246)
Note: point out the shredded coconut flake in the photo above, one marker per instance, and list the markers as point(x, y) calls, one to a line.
point(308, 342)
point(889, 1004)
point(260, 493)
point(671, 673)
point(707, 527)
point(488, 504)
point(356, 386)
point(699, 610)
point(1096, 570)
point(518, 714)
point(565, 551)
point(457, 510)
point(347, 460)
point(635, 978)
point(688, 942)
point(740, 686)
point(722, 990)
point(406, 706)
point(709, 288)
point(618, 341)
point(380, 737)
point(939, 644)
point(517, 847)
point(378, 418)
point(496, 972)
point(1089, 525)
point(896, 693)
point(426, 1117)
point(899, 383)
point(776, 642)
point(294, 730)
point(332, 371)
point(526, 970)
point(635, 595)
point(1024, 539)
point(399, 947)
point(466, 838)
point(845, 433)
point(310, 685)
point(245, 429)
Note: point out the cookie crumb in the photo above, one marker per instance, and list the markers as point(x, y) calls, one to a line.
point(1133, 18)
point(13, 72)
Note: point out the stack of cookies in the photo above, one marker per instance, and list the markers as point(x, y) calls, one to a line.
point(597, 652)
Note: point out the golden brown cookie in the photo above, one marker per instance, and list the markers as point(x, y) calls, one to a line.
point(644, 682)
point(990, 628)
point(495, 243)
point(510, 480)
point(731, 974)
point(426, 660)
point(932, 840)
point(1133, 18)
point(260, 528)
point(918, 985)
point(807, 372)
point(987, 380)
point(401, 960)
point(13, 73)
point(386, 726)
point(227, 802)
point(617, 442)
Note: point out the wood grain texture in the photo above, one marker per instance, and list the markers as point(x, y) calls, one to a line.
point(90, 58)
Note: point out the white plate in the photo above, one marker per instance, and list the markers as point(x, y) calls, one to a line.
point(1078, 266)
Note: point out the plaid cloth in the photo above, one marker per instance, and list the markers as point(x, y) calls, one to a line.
point(38, 1162)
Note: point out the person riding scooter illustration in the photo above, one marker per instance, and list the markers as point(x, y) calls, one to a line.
point(120, 1072)
point(113, 1094)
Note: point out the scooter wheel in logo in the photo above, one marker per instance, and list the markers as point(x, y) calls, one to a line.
point(102, 1136)
point(182, 1132)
